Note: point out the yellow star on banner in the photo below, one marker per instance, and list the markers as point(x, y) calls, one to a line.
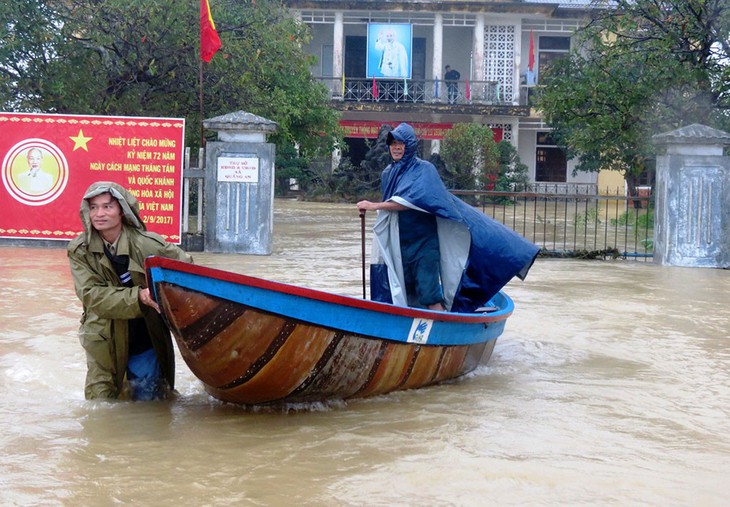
point(80, 141)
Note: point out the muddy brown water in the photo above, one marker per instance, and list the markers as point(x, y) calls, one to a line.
point(610, 386)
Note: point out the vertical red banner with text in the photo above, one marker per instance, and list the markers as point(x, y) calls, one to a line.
point(48, 161)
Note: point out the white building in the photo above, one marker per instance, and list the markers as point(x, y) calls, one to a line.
point(488, 42)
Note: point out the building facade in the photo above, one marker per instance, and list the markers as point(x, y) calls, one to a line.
point(384, 62)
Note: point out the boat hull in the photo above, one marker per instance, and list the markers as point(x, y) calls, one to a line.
point(251, 341)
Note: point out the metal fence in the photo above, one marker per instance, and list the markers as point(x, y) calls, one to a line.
point(193, 192)
point(573, 225)
point(563, 221)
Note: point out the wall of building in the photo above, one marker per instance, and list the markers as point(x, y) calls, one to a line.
point(456, 51)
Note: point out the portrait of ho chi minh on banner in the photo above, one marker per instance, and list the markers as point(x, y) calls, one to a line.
point(390, 48)
point(48, 160)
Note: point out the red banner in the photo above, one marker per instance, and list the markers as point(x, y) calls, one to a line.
point(370, 129)
point(432, 131)
point(48, 161)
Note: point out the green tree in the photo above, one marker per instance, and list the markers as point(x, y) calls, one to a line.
point(513, 175)
point(289, 165)
point(136, 57)
point(470, 155)
point(645, 67)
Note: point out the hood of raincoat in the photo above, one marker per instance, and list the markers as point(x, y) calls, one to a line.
point(406, 135)
point(129, 204)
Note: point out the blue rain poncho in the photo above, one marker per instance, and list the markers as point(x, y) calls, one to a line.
point(478, 254)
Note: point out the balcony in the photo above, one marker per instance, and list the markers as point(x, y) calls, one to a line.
point(419, 91)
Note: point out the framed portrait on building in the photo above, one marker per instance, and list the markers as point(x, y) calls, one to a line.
point(390, 47)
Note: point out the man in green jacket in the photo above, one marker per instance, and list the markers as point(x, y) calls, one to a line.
point(128, 347)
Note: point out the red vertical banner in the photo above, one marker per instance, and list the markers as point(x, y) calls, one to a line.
point(530, 74)
point(375, 90)
point(210, 42)
point(48, 161)
point(467, 92)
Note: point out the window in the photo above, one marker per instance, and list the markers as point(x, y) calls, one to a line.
point(326, 60)
point(646, 178)
point(551, 49)
point(550, 162)
point(355, 53)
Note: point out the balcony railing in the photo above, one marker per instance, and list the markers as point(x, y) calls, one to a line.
point(417, 91)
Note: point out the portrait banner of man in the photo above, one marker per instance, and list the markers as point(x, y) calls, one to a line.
point(47, 160)
point(390, 49)
point(35, 172)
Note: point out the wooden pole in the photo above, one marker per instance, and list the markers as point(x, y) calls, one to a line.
point(200, 76)
point(362, 244)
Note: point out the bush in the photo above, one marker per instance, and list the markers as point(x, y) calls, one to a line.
point(470, 155)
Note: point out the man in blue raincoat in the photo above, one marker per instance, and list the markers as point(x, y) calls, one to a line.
point(431, 249)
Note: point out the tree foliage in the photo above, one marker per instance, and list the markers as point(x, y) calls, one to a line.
point(136, 57)
point(513, 175)
point(470, 155)
point(645, 67)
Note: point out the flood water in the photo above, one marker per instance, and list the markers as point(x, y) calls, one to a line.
point(610, 386)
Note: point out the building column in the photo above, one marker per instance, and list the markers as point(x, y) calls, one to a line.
point(516, 133)
point(438, 53)
point(517, 78)
point(336, 159)
point(338, 53)
point(477, 50)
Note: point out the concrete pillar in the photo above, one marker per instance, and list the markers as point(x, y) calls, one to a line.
point(692, 198)
point(437, 69)
point(517, 64)
point(338, 52)
point(335, 159)
point(516, 133)
point(477, 52)
point(239, 185)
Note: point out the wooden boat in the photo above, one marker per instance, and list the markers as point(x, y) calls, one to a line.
point(255, 341)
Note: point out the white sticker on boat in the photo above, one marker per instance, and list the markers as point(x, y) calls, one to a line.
point(420, 329)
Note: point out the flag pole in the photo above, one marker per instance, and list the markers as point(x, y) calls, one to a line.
point(200, 75)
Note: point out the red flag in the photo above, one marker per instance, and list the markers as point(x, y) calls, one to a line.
point(210, 43)
point(375, 89)
point(531, 56)
point(467, 94)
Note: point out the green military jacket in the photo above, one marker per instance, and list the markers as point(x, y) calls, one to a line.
point(108, 305)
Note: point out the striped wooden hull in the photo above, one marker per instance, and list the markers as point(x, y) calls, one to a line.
point(253, 341)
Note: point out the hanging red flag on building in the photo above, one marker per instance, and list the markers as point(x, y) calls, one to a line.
point(530, 74)
point(467, 93)
point(210, 43)
point(375, 90)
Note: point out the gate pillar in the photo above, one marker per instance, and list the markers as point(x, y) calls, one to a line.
point(692, 196)
point(239, 185)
